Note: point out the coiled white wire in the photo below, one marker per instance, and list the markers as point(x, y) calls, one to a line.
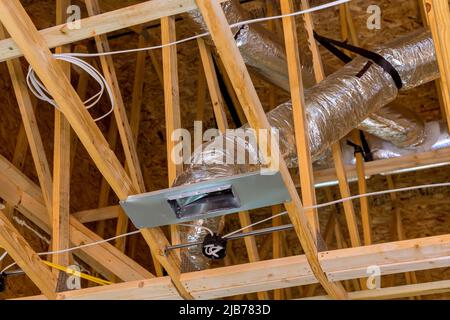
point(39, 90)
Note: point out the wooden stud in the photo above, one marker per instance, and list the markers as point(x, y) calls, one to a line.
point(438, 13)
point(27, 198)
point(21, 28)
point(201, 94)
point(123, 125)
point(171, 105)
point(61, 165)
point(221, 120)
point(298, 110)
point(336, 148)
point(21, 252)
point(410, 277)
point(348, 28)
point(31, 129)
point(240, 78)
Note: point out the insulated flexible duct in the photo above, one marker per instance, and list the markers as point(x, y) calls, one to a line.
point(333, 108)
point(264, 54)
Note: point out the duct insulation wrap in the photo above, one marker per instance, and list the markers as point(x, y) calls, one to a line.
point(436, 137)
point(261, 50)
point(396, 124)
point(264, 54)
point(334, 107)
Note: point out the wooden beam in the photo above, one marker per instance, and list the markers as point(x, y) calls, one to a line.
point(93, 215)
point(410, 277)
point(61, 164)
point(31, 128)
point(277, 237)
point(102, 24)
point(348, 28)
point(394, 257)
point(438, 12)
point(138, 90)
point(171, 105)
point(438, 84)
point(405, 291)
point(242, 83)
point(222, 123)
point(20, 26)
point(213, 86)
point(201, 94)
point(298, 110)
point(389, 165)
point(123, 126)
point(26, 197)
point(21, 252)
point(19, 156)
point(336, 147)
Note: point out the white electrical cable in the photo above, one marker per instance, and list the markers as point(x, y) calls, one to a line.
point(94, 244)
point(327, 204)
point(39, 90)
point(79, 247)
point(195, 226)
point(23, 223)
point(436, 185)
point(238, 24)
point(3, 256)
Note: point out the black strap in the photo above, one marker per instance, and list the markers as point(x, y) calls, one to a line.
point(364, 149)
point(332, 45)
point(227, 97)
point(365, 145)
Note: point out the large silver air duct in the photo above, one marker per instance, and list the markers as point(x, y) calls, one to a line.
point(334, 107)
point(264, 54)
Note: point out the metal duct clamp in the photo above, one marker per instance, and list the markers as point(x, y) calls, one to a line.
point(206, 199)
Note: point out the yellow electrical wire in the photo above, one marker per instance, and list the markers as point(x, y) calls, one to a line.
point(78, 274)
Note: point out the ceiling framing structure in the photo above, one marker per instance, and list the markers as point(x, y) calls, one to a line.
point(47, 205)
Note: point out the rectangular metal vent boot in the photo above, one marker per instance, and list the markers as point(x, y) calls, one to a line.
point(205, 199)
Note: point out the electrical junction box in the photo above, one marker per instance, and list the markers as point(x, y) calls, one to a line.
point(206, 199)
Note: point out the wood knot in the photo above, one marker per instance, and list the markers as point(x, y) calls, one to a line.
point(63, 29)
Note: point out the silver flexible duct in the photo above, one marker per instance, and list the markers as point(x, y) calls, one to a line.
point(436, 137)
point(396, 124)
point(333, 108)
point(264, 54)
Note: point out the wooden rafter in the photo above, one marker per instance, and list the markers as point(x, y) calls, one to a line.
point(31, 129)
point(21, 252)
point(51, 200)
point(221, 120)
point(336, 147)
point(240, 78)
point(102, 24)
point(21, 28)
point(438, 13)
point(348, 30)
point(61, 163)
point(343, 264)
point(123, 124)
point(27, 198)
point(171, 104)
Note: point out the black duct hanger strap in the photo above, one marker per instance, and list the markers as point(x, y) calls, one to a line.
point(333, 45)
point(363, 149)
